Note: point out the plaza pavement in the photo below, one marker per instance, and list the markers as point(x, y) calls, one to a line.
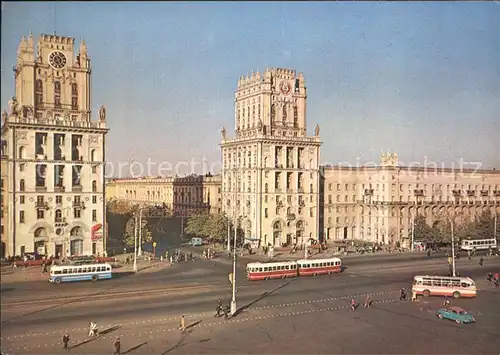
point(304, 315)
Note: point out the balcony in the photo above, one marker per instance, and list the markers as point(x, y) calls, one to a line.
point(369, 192)
point(290, 216)
point(79, 204)
point(471, 193)
point(485, 193)
point(59, 188)
point(457, 193)
point(418, 192)
point(41, 188)
point(41, 205)
point(496, 193)
point(60, 220)
point(77, 188)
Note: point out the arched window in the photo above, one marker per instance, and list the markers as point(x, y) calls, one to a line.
point(277, 225)
point(94, 186)
point(74, 96)
point(58, 215)
point(39, 92)
point(21, 153)
point(57, 94)
point(266, 188)
point(21, 185)
point(92, 155)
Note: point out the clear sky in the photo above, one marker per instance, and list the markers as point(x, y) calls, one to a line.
point(420, 79)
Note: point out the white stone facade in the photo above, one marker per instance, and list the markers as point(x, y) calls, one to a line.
point(270, 169)
point(378, 204)
point(54, 154)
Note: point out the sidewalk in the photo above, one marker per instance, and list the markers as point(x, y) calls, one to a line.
point(34, 273)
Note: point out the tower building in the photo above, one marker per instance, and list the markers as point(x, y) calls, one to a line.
point(53, 154)
point(270, 168)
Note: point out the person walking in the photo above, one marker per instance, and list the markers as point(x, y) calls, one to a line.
point(368, 301)
point(218, 309)
point(117, 346)
point(182, 324)
point(481, 262)
point(65, 340)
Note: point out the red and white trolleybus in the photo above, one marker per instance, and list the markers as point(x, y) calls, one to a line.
point(276, 270)
point(308, 267)
point(281, 270)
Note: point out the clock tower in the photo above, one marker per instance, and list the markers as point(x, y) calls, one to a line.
point(270, 169)
point(53, 83)
point(53, 154)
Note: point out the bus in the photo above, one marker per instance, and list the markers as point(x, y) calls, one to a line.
point(479, 244)
point(71, 273)
point(274, 270)
point(455, 287)
point(315, 267)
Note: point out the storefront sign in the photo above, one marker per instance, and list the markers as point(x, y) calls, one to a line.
point(96, 232)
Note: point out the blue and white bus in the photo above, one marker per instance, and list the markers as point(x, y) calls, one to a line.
point(70, 273)
point(478, 244)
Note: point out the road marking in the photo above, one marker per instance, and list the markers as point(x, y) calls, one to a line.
point(208, 314)
point(239, 320)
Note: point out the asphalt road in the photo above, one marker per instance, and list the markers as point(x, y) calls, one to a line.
point(148, 304)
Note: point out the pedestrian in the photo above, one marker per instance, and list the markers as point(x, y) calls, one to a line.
point(117, 346)
point(481, 261)
point(490, 277)
point(182, 324)
point(65, 340)
point(227, 310)
point(413, 296)
point(402, 296)
point(218, 309)
point(353, 304)
point(368, 301)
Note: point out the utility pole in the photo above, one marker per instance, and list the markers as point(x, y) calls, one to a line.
point(452, 248)
point(233, 300)
point(495, 225)
point(139, 251)
point(135, 243)
point(228, 234)
point(412, 231)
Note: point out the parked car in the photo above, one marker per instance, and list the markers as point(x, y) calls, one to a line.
point(456, 314)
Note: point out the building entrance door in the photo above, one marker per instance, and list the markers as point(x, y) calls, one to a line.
point(59, 251)
point(289, 239)
point(345, 232)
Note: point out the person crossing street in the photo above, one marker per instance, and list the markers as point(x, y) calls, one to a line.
point(65, 340)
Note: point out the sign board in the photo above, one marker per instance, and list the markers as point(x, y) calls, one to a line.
point(96, 232)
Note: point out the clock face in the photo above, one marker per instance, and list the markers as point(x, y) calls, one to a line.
point(285, 87)
point(57, 60)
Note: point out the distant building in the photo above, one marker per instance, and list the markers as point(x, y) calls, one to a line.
point(181, 196)
point(270, 169)
point(52, 154)
point(378, 204)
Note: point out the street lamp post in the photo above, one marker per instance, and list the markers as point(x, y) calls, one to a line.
point(452, 247)
point(233, 300)
point(139, 247)
point(412, 231)
point(135, 243)
point(228, 234)
point(495, 225)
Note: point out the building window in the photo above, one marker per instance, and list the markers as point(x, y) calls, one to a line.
point(92, 155)
point(57, 94)
point(39, 92)
point(21, 200)
point(58, 216)
point(94, 199)
point(338, 187)
point(94, 215)
point(74, 96)
point(295, 117)
point(21, 216)
point(94, 169)
point(59, 199)
point(22, 186)
point(94, 186)
point(77, 213)
point(40, 175)
point(40, 214)
point(311, 212)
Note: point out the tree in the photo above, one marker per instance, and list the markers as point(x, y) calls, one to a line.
point(218, 227)
point(197, 225)
point(422, 231)
point(483, 226)
point(208, 226)
point(120, 207)
point(129, 236)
